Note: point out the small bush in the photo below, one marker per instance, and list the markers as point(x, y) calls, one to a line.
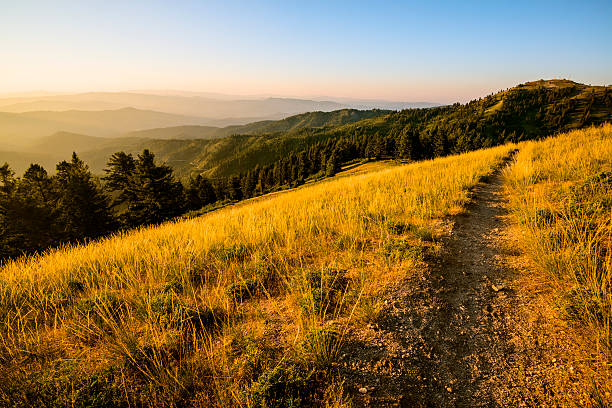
point(99, 315)
point(398, 227)
point(324, 290)
point(347, 242)
point(544, 217)
point(253, 281)
point(584, 305)
point(242, 290)
point(168, 310)
point(369, 310)
point(288, 384)
point(420, 232)
point(398, 250)
point(174, 286)
point(75, 286)
point(232, 253)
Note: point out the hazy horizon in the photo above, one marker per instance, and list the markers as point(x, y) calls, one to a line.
point(443, 52)
point(198, 93)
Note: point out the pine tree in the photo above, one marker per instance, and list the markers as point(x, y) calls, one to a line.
point(147, 193)
point(7, 180)
point(333, 164)
point(235, 188)
point(199, 193)
point(158, 195)
point(404, 145)
point(83, 207)
point(38, 184)
point(119, 173)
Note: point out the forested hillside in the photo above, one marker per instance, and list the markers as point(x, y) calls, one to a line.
point(243, 166)
point(529, 111)
point(290, 124)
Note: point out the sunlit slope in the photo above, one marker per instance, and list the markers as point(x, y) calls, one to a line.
point(224, 309)
point(561, 193)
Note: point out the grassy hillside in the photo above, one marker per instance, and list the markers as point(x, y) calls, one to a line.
point(561, 193)
point(245, 306)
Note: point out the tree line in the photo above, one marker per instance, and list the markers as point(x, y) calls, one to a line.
point(38, 211)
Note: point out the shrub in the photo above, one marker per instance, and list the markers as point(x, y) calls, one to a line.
point(323, 290)
point(288, 384)
point(398, 250)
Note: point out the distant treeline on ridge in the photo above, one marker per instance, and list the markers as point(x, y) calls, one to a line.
point(38, 211)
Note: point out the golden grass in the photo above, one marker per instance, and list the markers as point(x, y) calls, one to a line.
point(560, 190)
point(228, 309)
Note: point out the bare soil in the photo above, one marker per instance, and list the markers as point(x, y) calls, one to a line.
point(473, 329)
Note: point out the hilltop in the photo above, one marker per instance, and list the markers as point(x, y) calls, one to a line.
point(527, 111)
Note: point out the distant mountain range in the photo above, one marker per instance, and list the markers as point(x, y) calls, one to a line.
point(20, 129)
point(203, 105)
point(171, 143)
point(113, 114)
point(527, 111)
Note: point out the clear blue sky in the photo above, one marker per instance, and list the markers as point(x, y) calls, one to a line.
point(438, 51)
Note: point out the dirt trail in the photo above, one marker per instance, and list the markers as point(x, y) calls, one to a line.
point(447, 335)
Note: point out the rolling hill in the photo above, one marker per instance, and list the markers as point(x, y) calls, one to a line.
point(290, 124)
point(527, 111)
point(183, 147)
point(212, 108)
point(22, 128)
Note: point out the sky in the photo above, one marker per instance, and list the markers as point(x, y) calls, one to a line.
point(440, 51)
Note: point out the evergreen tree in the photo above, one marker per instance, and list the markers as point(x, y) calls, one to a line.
point(83, 208)
point(147, 193)
point(119, 173)
point(199, 193)
point(39, 185)
point(158, 195)
point(235, 188)
point(333, 164)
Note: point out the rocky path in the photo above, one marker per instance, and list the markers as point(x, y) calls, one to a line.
point(448, 335)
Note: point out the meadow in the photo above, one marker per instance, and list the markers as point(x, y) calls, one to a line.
point(243, 306)
point(560, 192)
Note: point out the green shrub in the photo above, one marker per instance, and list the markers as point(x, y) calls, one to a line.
point(288, 384)
point(168, 310)
point(324, 290)
point(584, 305)
point(232, 253)
point(398, 250)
